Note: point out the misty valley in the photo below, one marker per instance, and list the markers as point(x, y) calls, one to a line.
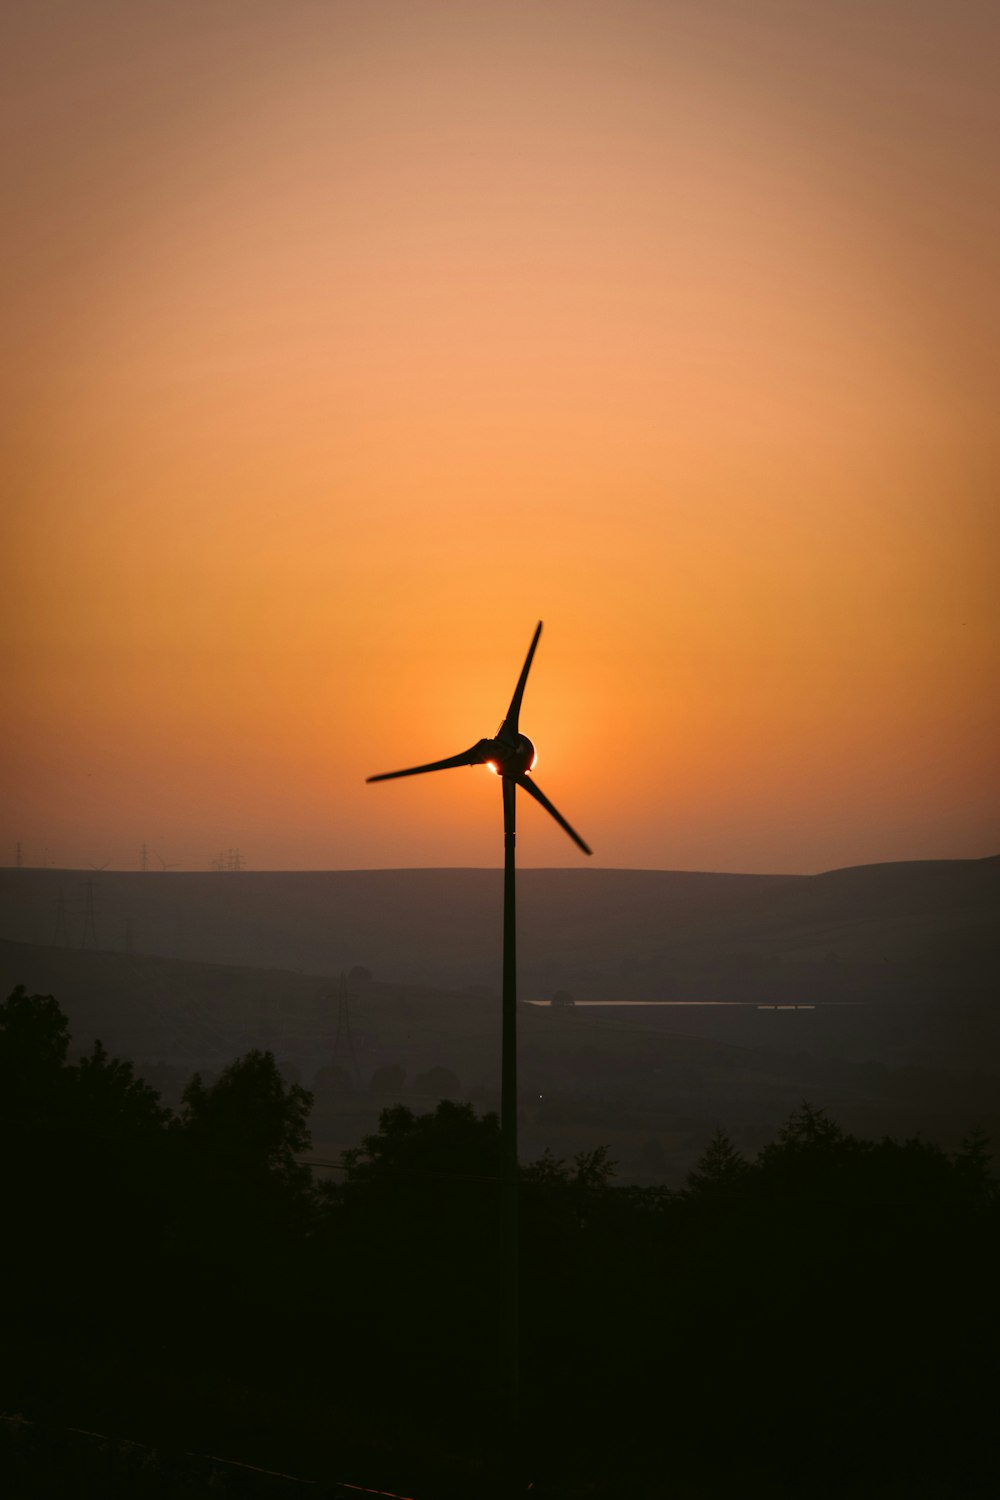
point(364, 983)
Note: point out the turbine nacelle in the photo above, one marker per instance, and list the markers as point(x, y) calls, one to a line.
point(504, 761)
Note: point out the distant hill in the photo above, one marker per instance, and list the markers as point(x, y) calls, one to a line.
point(914, 947)
point(919, 931)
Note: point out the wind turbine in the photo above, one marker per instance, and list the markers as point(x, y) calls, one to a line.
point(510, 755)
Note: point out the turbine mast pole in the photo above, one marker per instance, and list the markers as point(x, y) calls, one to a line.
point(508, 1134)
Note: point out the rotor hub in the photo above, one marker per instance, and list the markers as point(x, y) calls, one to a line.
point(522, 757)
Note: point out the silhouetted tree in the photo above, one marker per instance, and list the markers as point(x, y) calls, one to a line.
point(114, 1158)
point(813, 1161)
point(720, 1168)
point(80, 1166)
point(807, 1131)
point(243, 1209)
point(249, 1119)
point(185, 1278)
point(556, 1193)
point(34, 1038)
point(429, 1182)
point(35, 1125)
point(973, 1162)
point(451, 1140)
point(113, 1102)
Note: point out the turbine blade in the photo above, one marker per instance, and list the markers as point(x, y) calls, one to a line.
point(539, 796)
point(508, 729)
point(476, 756)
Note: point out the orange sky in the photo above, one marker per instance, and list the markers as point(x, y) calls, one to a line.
point(343, 341)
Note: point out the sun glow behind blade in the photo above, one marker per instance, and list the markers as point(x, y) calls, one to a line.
point(510, 755)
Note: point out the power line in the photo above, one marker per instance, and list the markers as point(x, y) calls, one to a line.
point(229, 859)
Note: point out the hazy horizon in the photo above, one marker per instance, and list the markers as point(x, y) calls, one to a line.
point(209, 868)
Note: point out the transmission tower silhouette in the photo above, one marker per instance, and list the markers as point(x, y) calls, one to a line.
point(229, 859)
point(89, 939)
point(61, 936)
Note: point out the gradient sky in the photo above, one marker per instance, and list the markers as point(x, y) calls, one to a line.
point(344, 341)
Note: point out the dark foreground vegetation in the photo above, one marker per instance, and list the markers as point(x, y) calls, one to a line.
point(821, 1320)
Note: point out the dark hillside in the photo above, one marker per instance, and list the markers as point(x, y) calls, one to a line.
point(875, 932)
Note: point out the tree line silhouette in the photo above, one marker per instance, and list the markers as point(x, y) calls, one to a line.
point(820, 1319)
